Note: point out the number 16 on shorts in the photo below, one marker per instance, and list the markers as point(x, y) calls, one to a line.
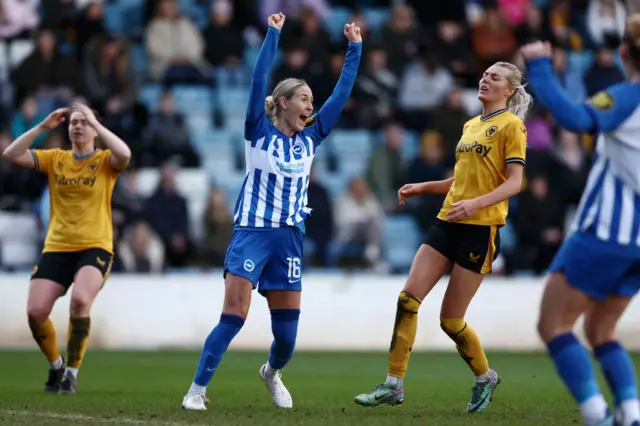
point(294, 272)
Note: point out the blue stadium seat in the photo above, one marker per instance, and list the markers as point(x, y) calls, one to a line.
point(200, 128)
point(223, 137)
point(402, 239)
point(335, 23)
point(410, 146)
point(230, 184)
point(250, 56)
point(232, 99)
point(336, 184)
point(218, 159)
point(193, 98)
point(114, 17)
point(351, 141)
point(139, 59)
point(376, 18)
point(149, 95)
point(197, 11)
point(354, 163)
point(133, 18)
point(580, 61)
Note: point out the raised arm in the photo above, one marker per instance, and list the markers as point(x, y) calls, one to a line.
point(332, 108)
point(604, 112)
point(255, 109)
point(571, 116)
point(120, 152)
point(18, 152)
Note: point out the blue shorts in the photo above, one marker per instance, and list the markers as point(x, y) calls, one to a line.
point(590, 266)
point(270, 259)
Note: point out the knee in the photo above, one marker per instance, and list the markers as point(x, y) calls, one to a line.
point(37, 314)
point(407, 303)
point(452, 326)
point(235, 304)
point(80, 304)
point(597, 333)
point(548, 328)
point(543, 329)
point(237, 297)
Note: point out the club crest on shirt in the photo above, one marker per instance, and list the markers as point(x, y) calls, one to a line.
point(491, 131)
point(92, 167)
point(59, 166)
point(289, 163)
point(602, 100)
point(298, 148)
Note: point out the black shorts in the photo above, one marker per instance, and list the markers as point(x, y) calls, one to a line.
point(473, 247)
point(62, 267)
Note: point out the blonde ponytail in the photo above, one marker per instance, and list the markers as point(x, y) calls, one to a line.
point(520, 102)
point(269, 108)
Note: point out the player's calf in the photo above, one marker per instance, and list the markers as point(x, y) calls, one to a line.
point(620, 374)
point(284, 325)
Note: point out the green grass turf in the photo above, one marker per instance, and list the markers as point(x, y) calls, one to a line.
point(146, 388)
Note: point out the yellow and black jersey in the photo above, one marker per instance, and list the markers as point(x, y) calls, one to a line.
point(80, 190)
point(487, 145)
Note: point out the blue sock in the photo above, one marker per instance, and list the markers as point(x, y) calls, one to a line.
point(284, 325)
point(618, 369)
point(215, 346)
point(574, 366)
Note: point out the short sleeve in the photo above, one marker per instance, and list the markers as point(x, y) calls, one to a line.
point(43, 159)
point(111, 171)
point(515, 142)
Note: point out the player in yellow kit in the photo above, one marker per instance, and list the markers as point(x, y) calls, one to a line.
point(489, 170)
point(79, 244)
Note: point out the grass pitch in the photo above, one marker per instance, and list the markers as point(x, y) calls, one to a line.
point(146, 388)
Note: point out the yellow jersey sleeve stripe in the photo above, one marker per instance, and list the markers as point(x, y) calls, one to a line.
point(36, 165)
point(515, 160)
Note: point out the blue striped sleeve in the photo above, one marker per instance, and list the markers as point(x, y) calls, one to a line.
point(332, 108)
point(573, 117)
point(255, 109)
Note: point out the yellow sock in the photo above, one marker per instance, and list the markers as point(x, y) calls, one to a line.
point(404, 334)
point(467, 344)
point(77, 340)
point(45, 337)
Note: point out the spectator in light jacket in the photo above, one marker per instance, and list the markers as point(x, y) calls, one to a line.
point(173, 42)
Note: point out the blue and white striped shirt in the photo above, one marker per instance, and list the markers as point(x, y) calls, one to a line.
point(609, 210)
point(274, 192)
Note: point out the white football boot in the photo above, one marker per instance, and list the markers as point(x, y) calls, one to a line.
point(279, 394)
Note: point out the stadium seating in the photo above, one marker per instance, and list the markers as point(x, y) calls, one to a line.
point(19, 235)
point(215, 120)
point(402, 239)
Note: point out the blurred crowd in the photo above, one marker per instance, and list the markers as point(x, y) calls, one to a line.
point(419, 64)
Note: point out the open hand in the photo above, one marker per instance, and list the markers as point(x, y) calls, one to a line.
point(352, 33)
point(277, 21)
point(88, 114)
point(54, 119)
point(408, 191)
point(463, 210)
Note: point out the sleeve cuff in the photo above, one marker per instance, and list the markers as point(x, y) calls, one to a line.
point(36, 165)
point(515, 160)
